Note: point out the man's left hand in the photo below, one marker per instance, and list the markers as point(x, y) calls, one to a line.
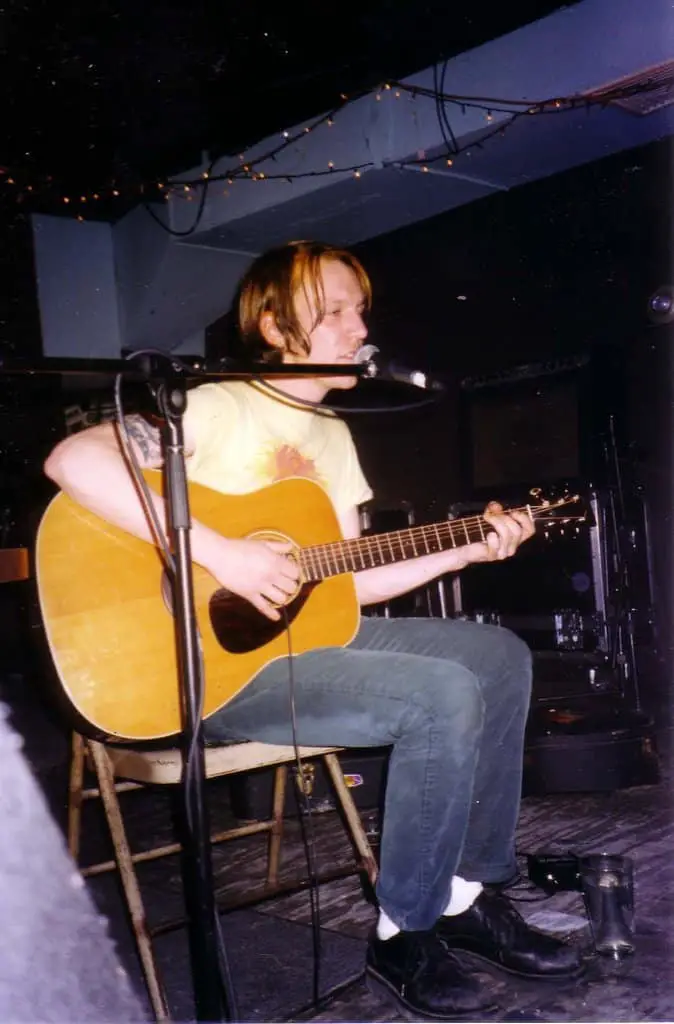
point(507, 531)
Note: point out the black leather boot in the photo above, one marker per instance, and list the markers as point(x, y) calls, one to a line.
point(422, 977)
point(493, 931)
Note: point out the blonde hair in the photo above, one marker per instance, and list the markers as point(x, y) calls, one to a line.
point(271, 284)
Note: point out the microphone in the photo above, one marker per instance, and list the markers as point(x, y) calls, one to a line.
point(394, 371)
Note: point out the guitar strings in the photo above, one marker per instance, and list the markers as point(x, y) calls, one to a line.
point(315, 555)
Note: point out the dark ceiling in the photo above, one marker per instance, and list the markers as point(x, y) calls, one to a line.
point(128, 89)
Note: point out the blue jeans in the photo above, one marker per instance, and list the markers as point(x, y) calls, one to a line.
point(451, 697)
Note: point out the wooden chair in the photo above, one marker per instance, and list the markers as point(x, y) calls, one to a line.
point(120, 769)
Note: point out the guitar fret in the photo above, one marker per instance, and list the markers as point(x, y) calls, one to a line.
point(438, 537)
point(414, 547)
point(324, 560)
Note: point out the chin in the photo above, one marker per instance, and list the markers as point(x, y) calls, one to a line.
point(340, 383)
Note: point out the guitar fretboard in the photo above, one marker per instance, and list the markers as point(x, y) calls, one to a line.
point(324, 560)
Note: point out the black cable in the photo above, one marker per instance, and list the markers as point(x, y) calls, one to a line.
point(306, 826)
point(441, 110)
point(321, 407)
point(200, 209)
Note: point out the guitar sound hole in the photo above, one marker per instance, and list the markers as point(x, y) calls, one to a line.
point(239, 627)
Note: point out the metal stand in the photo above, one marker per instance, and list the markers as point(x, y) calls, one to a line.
point(212, 1002)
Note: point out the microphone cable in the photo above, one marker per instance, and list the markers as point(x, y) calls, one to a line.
point(306, 823)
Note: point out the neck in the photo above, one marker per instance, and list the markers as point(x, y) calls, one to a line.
point(309, 389)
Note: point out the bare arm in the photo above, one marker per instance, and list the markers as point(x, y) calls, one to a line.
point(90, 467)
point(388, 581)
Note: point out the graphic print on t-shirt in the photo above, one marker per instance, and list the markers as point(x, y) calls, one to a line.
point(283, 461)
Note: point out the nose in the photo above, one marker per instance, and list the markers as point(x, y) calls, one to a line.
point(358, 327)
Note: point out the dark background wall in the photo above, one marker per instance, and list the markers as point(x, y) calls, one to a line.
point(552, 269)
point(558, 269)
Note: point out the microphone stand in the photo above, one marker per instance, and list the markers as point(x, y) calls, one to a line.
point(212, 998)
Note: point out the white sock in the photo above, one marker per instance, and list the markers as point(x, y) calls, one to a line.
point(464, 895)
point(386, 929)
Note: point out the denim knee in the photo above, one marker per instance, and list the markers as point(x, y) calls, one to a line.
point(514, 656)
point(452, 697)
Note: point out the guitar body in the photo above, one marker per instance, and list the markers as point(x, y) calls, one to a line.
point(105, 605)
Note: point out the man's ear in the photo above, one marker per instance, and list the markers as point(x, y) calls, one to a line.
point(270, 332)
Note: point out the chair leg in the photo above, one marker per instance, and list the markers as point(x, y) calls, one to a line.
point(75, 787)
point(352, 816)
point(276, 835)
point(106, 782)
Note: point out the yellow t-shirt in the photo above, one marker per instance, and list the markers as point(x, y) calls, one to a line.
point(246, 437)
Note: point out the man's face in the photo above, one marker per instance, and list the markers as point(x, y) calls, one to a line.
point(341, 332)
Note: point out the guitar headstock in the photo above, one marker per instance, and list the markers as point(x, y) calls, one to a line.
point(565, 510)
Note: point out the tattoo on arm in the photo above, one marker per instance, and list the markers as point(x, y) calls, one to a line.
point(146, 437)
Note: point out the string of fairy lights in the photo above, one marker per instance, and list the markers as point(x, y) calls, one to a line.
point(264, 167)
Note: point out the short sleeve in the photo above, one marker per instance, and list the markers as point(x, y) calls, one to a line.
point(353, 488)
point(208, 406)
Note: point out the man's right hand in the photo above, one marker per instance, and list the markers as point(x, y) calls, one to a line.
point(259, 571)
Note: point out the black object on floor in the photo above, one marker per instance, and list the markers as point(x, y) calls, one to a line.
point(271, 961)
point(576, 748)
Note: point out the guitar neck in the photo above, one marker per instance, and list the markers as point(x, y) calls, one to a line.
point(325, 560)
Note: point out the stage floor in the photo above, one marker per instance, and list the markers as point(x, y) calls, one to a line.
point(270, 946)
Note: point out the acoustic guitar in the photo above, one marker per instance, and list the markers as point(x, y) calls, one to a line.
point(106, 606)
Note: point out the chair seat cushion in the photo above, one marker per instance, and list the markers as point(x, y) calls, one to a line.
point(164, 767)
